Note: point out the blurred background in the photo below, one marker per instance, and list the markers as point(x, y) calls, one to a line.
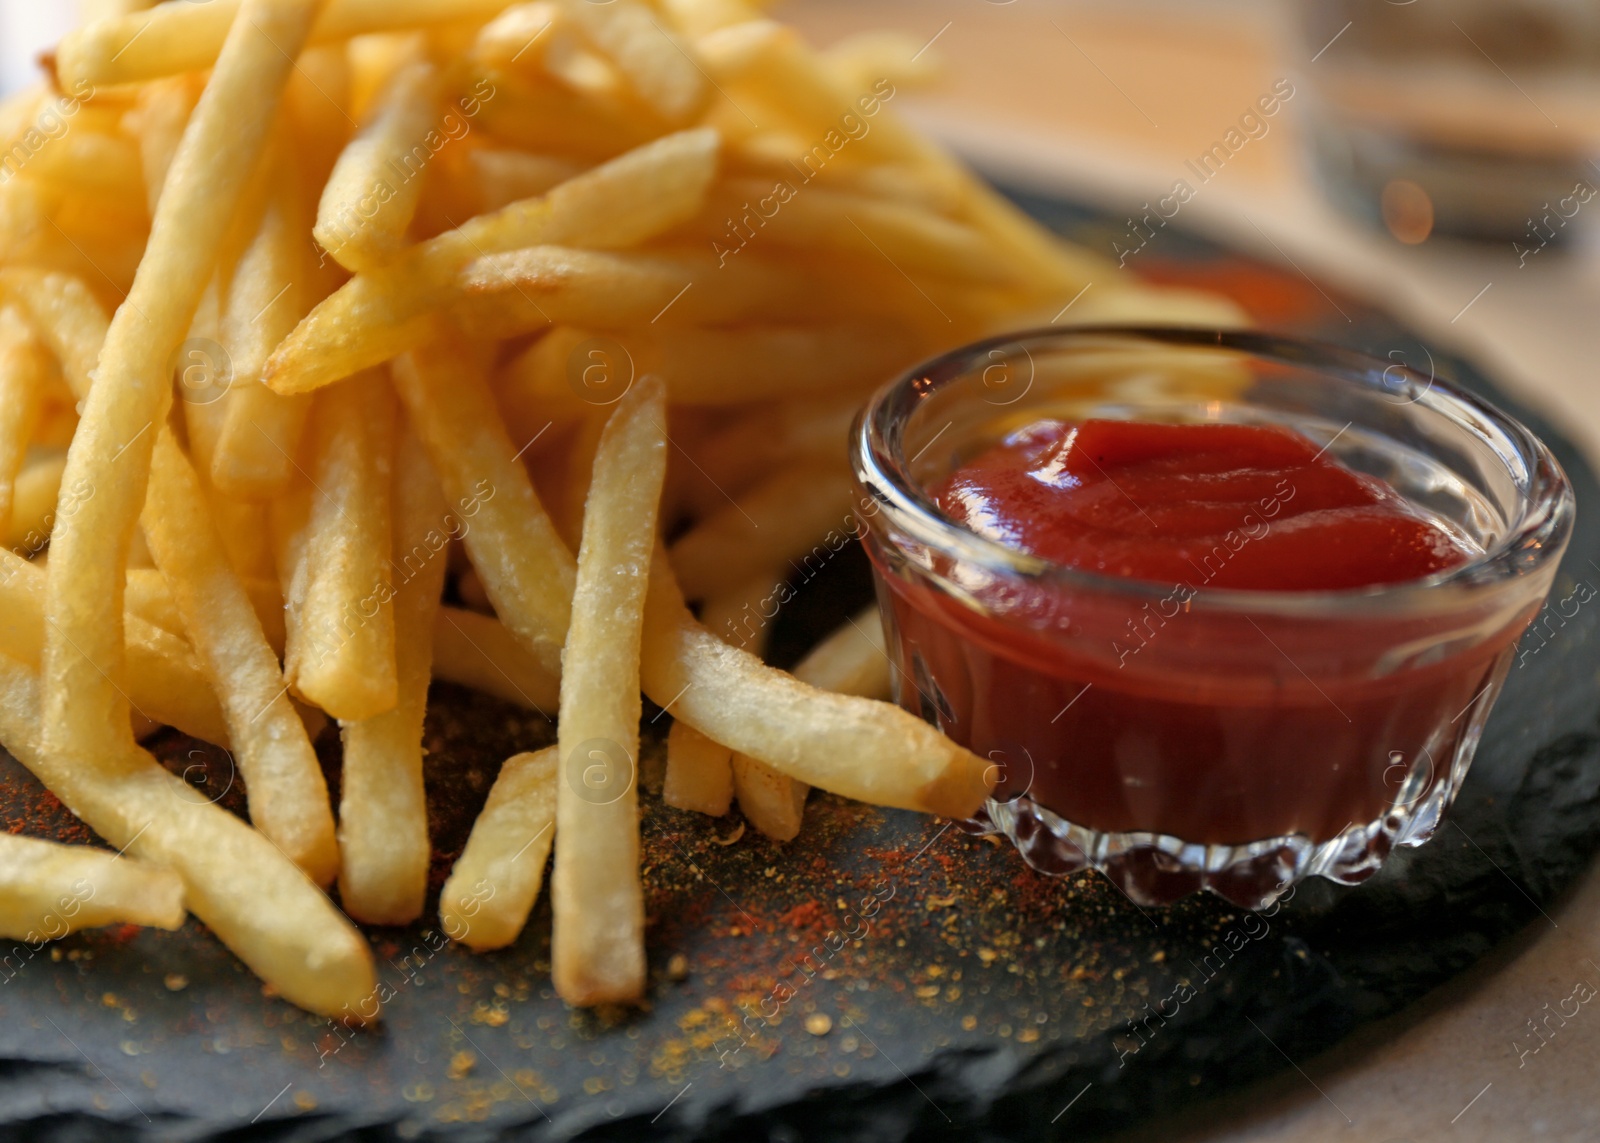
point(1434, 157)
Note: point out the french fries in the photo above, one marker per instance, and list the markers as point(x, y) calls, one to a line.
point(598, 955)
point(288, 796)
point(477, 651)
point(495, 881)
point(49, 890)
point(527, 570)
point(376, 316)
point(850, 746)
point(84, 710)
point(190, 37)
point(165, 682)
point(383, 818)
point(269, 292)
point(234, 879)
point(341, 651)
point(851, 661)
point(699, 772)
point(24, 373)
point(372, 195)
point(450, 289)
point(773, 524)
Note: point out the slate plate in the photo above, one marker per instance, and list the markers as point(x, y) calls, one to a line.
point(884, 977)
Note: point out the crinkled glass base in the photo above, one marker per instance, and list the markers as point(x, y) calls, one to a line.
point(1154, 869)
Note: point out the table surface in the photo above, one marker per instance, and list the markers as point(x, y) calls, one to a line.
point(1111, 101)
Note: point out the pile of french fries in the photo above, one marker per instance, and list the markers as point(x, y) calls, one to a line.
point(315, 314)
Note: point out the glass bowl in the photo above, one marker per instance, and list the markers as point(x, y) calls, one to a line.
point(1180, 737)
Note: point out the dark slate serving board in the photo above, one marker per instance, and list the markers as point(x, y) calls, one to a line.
point(950, 989)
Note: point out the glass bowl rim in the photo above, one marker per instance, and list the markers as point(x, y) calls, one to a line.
point(1542, 527)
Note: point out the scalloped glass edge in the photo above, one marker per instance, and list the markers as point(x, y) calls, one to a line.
point(1156, 869)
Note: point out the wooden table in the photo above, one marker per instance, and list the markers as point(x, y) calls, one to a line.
point(1110, 101)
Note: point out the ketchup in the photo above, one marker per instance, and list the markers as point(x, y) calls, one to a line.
point(1131, 711)
point(1237, 506)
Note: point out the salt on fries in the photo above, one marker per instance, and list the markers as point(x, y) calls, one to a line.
point(467, 302)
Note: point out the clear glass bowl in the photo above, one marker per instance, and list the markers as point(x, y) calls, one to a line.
point(1179, 737)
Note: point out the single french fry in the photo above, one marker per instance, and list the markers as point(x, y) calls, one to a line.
point(851, 661)
point(258, 904)
point(33, 504)
point(598, 951)
point(798, 518)
point(853, 747)
point(496, 880)
point(164, 41)
point(150, 599)
point(48, 890)
point(656, 63)
point(158, 120)
point(918, 242)
point(383, 813)
point(503, 176)
point(165, 682)
point(287, 794)
point(771, 801)
point(372, 195)
point(376, 316)
point(341, 654)
point(526, 568)
point(87, 161)
point(477, 651)
point(269, 293)
point(66, 314)
point(85, 711)
point(506, 295)
point(25, 369)
point(713, 367)
point(699, 772)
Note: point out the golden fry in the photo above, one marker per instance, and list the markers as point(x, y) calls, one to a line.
point(477, 651)
point(699, 772)
point(598, 955)
point(383, 815)
point(851, 661)
point(657, 65)
point(49, 890)
point(379, 315)
point(268, 294)
point(288, 796)
point(527, 570)
point(164, 41)
point(341, 653)
point(85, 711)
point(65, 314)
point(258, 904)
point(854, 747)
point(372, 195)
point(165, 682)
point(497, 878)
point(25, 373)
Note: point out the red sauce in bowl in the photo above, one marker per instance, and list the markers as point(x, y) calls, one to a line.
point(1235, 506)
point(1212, 726)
